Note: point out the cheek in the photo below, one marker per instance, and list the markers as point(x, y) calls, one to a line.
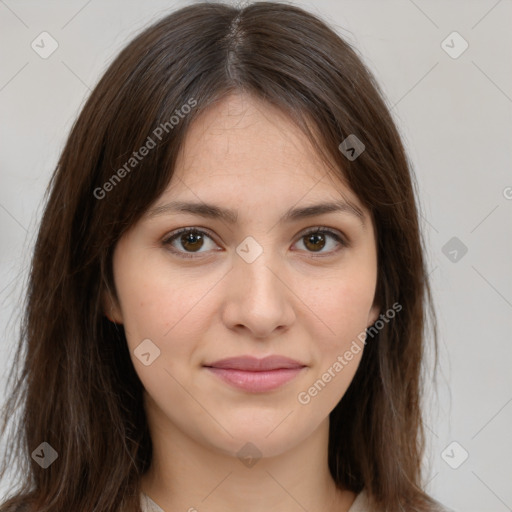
point(167, 308)
point(338, 344)
point(165, 312)
point(341, 306)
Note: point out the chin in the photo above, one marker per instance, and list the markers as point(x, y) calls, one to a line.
point(253, 445)
point(269, 438)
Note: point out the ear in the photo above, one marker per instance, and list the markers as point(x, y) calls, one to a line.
point(373, 314)
point(111, 309)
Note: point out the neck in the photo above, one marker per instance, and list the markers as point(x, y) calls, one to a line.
point(189, 475)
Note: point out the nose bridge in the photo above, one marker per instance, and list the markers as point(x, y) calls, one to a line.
point(258, 281)
point(258, 299)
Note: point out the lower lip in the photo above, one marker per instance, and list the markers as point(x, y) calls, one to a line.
point(256, 382)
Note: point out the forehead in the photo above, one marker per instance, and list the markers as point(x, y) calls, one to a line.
point(247, 147)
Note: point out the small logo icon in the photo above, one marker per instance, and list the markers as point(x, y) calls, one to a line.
point(351, 147)
point(249, 454)
point(454, 45)
point(44, 45)
point(454, 249)
point(146, 352)
point(44, 455)
point(454, 455)
point(249, 249)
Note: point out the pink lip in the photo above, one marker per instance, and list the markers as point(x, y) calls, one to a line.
point(256, 375)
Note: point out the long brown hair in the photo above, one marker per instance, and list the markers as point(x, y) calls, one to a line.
point(77, 387)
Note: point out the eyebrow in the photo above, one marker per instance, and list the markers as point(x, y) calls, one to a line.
point(230, 216)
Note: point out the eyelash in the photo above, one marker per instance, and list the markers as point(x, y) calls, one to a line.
point(322, 230)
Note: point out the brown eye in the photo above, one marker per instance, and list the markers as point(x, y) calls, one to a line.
point(187, 241)
point(316, 240)
point(192, 240)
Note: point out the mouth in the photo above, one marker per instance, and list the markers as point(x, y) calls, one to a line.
point(256, 375)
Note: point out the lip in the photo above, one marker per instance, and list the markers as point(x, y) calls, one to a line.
point(253, 364)
point(256, 375)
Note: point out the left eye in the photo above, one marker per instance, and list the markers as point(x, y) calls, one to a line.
point(316, 239)
point(192, 240)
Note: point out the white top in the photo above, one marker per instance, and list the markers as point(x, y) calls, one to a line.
point(148, 505)
point(360, 503)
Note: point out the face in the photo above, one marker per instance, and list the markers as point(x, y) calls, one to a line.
point(253, 285)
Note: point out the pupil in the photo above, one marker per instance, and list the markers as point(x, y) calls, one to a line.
point(315, 238)
point(191, 238)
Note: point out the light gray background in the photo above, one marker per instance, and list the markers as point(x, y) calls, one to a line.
point(455, 117)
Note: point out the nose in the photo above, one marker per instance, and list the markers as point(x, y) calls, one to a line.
point(258, 298)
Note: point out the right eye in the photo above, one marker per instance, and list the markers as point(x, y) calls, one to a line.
point(191, 239)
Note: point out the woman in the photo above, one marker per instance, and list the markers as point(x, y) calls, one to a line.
point(227, 299)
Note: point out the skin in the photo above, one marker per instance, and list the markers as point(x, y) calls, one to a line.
point(245, 155)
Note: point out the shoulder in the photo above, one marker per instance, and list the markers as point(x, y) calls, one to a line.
point(148, 505)
point(360, 503)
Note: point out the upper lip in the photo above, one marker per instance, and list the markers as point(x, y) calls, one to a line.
point(249, 363)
